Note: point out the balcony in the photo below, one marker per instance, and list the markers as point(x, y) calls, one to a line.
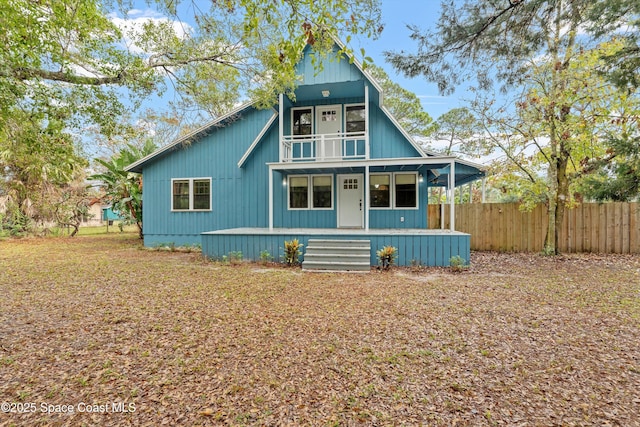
point(325, 147)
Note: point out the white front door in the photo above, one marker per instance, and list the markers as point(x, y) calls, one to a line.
point(350, 201)
point(328, 121)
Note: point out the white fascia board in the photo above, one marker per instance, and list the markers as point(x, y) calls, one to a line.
point(188, 136)
point(405, 161)
point(255, 142)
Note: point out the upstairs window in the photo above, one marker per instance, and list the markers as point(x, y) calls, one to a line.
point(191, 194)
point(302, 121)
point(355, 119)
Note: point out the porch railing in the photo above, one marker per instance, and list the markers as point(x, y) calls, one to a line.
point(325, 147)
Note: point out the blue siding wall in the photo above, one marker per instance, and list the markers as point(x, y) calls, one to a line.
point(333, 71)
point(430, 250)
point(239, 195)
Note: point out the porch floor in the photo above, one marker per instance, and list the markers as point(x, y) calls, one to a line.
point(337, 232)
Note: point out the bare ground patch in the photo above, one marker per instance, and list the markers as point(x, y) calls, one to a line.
point(517, 339)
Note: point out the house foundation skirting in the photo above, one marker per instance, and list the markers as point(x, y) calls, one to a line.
point(426, 247)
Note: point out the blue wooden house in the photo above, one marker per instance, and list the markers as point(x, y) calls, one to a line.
point(332, 169)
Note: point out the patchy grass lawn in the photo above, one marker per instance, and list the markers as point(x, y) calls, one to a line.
point(96, 322)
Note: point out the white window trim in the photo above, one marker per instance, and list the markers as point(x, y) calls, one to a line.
point(344, 114)
point(417, 206)
point(310, 192)
point(313, 119)
point(191, 194)
point(391, 192)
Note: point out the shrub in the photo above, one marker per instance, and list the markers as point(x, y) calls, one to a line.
point(292, 251)
point(387, 256)
point(265, 256)
point(235, 257)
point(458, 264)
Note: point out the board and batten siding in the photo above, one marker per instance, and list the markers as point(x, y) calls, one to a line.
point(416, 249)
point(332, 72)
point(239, 195)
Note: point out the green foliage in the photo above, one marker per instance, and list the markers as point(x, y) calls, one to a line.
point(459, 128)
point(235, 257)
point(563, 104)
point(292, 252)
point(404, 105)
point(618, 171)
point(124, 189)
point(265, 256)
point(387, 256)
point(458, 264)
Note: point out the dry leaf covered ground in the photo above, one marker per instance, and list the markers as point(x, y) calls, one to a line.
point(93, 326)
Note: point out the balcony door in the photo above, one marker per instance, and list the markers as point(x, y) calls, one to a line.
point(329, 121)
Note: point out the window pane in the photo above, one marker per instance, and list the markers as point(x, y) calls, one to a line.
point(322, 191)
point(201, 194)
point(355, 118)
point(406, 191)
point(302, 122)
point(181, 195)
point(379, 191)
point(299, 192)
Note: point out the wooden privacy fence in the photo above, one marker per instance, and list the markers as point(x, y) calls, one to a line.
point(590, 227)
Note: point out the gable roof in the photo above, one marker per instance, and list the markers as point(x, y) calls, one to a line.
point(208, 127)
point(193, 135)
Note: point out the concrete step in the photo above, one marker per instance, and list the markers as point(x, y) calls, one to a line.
point(337, 255)
point(335, 266)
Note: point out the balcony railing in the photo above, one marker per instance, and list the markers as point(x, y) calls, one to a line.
point(325, 147)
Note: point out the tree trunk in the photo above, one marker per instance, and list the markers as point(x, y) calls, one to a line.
point(563, 197)
point(551, 238)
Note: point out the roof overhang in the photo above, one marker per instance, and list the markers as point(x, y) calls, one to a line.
point(438, 168)
point(196, 134)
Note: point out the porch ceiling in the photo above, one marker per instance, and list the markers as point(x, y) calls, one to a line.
point(339, 90)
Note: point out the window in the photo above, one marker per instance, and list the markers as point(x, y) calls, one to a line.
point(301, 121)
point(329, 116)
point(380, 191)
point(298, 192)
point(406, 189)
point(191, 194)
point(322, 194)
point(201, 194)
point(181, 195)
point(355, 118)
point(317, 189)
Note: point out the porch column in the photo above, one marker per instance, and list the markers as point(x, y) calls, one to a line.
point(452, 189)
point(471, 192)
point(366, 197)
point(366, 122)
point(280, 127)
point(271, 197)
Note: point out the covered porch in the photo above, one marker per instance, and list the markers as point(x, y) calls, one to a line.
point(415, 246)
point(370, 207)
